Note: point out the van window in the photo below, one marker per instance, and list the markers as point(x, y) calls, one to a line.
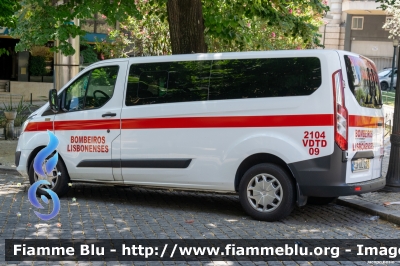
point(223, 79)
point(363, 81)
point(152, 84)
point(167, 82)
point(92, 90)
point(75, 94)
point(254, 78)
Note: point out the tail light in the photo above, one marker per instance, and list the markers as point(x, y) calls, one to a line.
point(341, 114)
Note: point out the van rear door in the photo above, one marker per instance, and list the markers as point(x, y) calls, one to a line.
point(365, 117)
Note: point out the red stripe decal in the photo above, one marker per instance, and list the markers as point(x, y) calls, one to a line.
point(189, 122)
point(365, 121)
point(40, 126)
point(230, 121)
point(87, 124)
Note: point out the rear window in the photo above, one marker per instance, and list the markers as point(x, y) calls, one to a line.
point(266, 77)
point(363, 81)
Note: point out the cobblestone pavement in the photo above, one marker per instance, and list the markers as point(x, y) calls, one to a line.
point(379, 198)
point(104, 212)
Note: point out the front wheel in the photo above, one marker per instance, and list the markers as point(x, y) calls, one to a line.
point(266, 192)
point(58, 179)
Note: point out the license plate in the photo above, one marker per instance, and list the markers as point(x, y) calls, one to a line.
point(360, 165)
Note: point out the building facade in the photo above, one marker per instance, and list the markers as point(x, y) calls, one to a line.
point(356, 26)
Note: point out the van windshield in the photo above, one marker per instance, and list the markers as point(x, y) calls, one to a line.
point(363, 81)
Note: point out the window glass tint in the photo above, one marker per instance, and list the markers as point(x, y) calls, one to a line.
point(92, 90)
point(167, 82)
point(101, 86)
point(363, 81)
point(75, 94)
point(253, 78)
point(152, 84)
point(188, 81)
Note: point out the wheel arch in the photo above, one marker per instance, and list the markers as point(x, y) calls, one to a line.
point(258, 158)
point(384, 82)
point(35, 152)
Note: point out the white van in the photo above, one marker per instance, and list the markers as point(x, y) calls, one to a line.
point(276, 127)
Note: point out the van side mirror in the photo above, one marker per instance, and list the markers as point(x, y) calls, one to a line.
point(53, 100)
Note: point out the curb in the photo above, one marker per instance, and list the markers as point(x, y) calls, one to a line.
point(392, 216)
point(8, 170)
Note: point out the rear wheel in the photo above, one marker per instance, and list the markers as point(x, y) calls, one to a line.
point(267, 192)
point(320, 200)
point(58, 179)
point(384, 86)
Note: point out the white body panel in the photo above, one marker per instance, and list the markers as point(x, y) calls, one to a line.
point(215, 152)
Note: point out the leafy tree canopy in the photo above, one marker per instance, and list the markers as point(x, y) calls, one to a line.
point(229, 24)
point(40, 21)
point(392, 7)
point(7, 10)
point(237, 20)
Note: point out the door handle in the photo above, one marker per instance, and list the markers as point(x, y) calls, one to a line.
point(380, 124)
point(108, 114)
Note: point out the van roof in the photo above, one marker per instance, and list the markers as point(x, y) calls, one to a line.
point(226, 55)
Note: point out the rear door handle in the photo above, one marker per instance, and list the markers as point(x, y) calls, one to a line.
point(108, 114)
point(380, 124)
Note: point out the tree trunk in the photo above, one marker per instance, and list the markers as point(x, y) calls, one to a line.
point(393, 174)
point(186, 26)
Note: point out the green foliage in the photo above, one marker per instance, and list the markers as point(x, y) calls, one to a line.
point(138, 37)
point(89, 55)
point(386, 3)
point(4, 51)
point(236, 25)
point(7, 10)
point(115, 46)
point(392, 8)
point(23, 111)
point(9, 106)
point(40, 21)
point(37, 66)
point(230, 25)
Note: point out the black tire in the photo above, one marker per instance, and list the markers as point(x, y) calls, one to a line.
point(320, 200)
point(61, 186)
point(384, 86)
point(274, 175)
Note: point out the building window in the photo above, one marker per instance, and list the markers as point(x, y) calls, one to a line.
point(357, 23)
point(96, 25)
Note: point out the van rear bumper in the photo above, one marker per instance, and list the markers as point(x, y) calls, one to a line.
point(344, 189)
point(326, 177)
